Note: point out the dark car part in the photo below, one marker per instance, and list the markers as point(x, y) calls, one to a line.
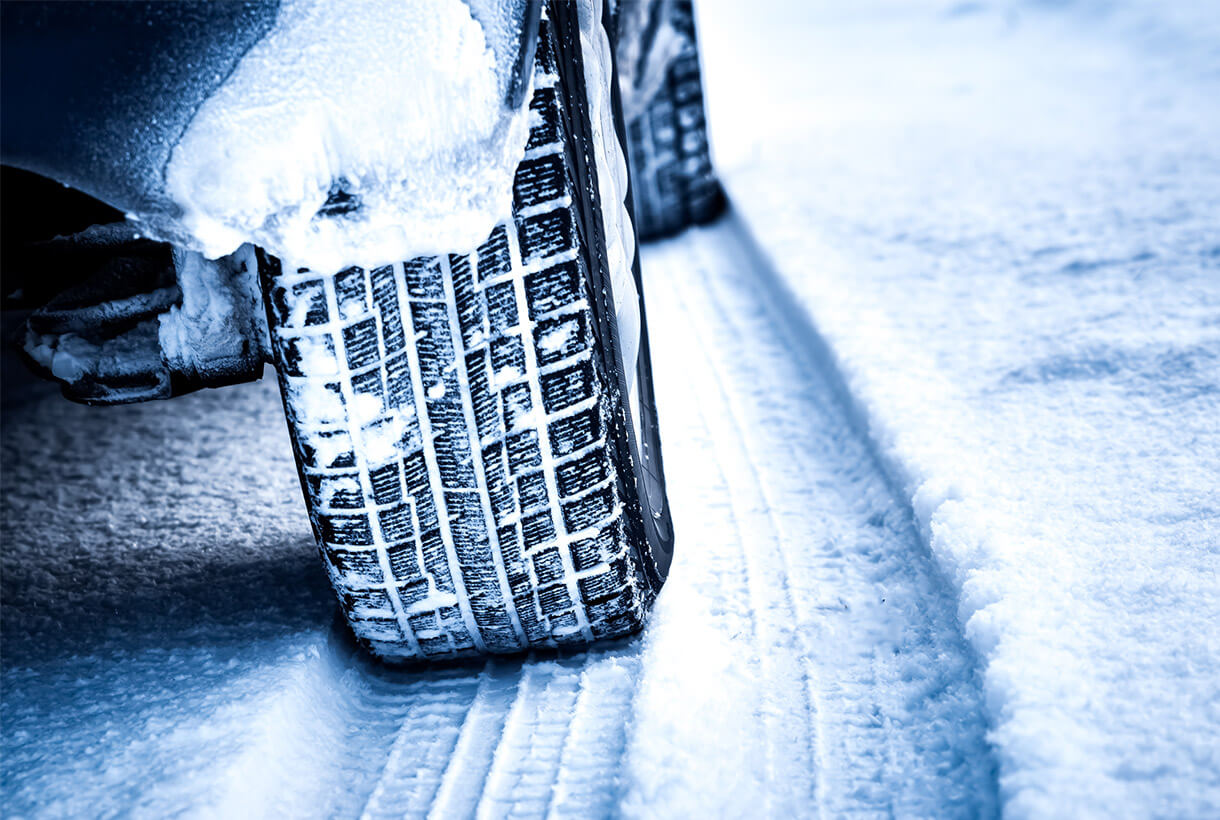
point(461, 422)
point(141, 320)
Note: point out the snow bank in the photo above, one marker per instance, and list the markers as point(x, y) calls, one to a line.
point(1002, 220)
point(354, 133)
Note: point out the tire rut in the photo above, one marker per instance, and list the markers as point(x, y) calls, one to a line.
point(894, 721)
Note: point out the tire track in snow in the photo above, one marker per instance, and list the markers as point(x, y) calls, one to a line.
point(786, 705)
point(894, 691)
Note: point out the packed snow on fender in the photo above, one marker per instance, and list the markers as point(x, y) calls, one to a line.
point(392, 113)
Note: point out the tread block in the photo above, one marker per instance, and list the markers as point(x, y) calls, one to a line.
point(545, 235)
point(588, 553)
point(472, 316)
point(605, 585)
point(413, 592)
point(539, 181)
point(337, 491)
point(423, 278)
point(531, 620)
point(507, 359)
point(567, 387)
point(501, 307)
point(436, 561)
point(583, 471)
point(575, 432)
point(537, 529)
point(483, 401)
point(369, 384)
point(532, 492)
point(362, 564)
point(555, 598)
point(387, 484)
point(548, 566)
point(415, 471)
point(368, 603)
point(498, 489)
point(351, 530)
point(470, 539)
point(385, 292)
point(424, 624)
point(452, 447)
point(523, 452)
point(510, 543)
point(544, 119)
point(622, 602)
point(435, 646)
point(404, 563)
point(618, 625)
point(493, 257)
point(551, 288)
point(399, 389)
point(559, 338)
point(589, 509)
point(378, 630)
point(461, 640)
point(396, 525)
point(435, 345)
point(362, 343)
point(517, 406)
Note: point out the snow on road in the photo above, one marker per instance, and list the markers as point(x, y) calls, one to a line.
point(170, 643)
point(803, 636)
point(1002, 218)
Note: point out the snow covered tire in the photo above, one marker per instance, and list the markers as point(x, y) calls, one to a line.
point(460, 422)
point(672, 178)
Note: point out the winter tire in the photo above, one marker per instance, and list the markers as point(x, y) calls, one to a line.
point(461, 423)
point(671, 164)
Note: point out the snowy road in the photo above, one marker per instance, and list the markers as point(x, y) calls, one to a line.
point(1001, 218)
point(170, 642)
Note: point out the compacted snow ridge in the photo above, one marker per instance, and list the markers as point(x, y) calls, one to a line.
point(171, 643)
point(1001, 218)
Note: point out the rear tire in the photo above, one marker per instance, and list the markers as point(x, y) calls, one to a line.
point(672, 178)
point(460, 422)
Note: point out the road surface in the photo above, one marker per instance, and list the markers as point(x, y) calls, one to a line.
point(170, 644)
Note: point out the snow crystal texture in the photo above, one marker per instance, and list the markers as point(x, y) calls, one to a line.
point(353, 134)
point(1002, 220)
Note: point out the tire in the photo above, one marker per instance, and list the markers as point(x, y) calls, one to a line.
point(672, 177)
point(471, 472)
